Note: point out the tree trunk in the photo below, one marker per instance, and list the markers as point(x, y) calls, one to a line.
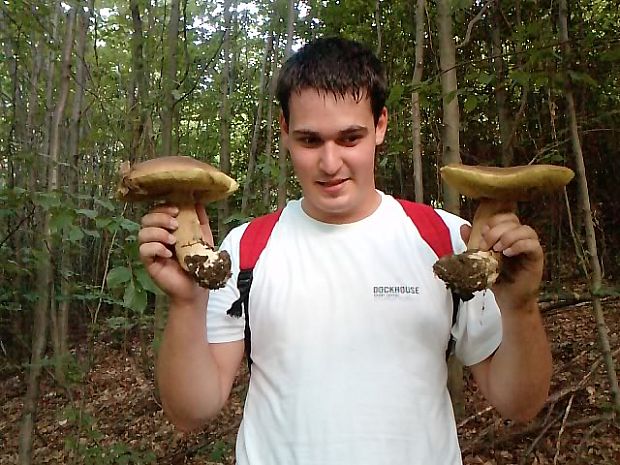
point(596, 275)
point(501, 96)
point(283, 171)
point(45, 267)
point(67, 263)
point(378, 27)
point(224, 205)
point(416, 120)
point(169, 76)
point(247, 188)
point(269, 136)
point(141, 146)
point(450, 140)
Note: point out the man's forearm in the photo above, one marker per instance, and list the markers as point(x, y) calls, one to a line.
point(188, 375)
point(520, 370)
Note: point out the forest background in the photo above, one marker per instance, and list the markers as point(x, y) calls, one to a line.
point(85, 85)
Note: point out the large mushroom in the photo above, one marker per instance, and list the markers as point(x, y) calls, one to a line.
point(184, 182)
point(498, 190)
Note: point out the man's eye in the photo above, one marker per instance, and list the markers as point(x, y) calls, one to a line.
point(351, 139)
point(309, 140)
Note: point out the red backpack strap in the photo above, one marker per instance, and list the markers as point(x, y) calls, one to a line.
point(430, 225)
point(436, 234)
point(254, 239)
point(252, 243)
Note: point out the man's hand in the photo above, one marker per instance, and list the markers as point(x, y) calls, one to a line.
point(156, 252)
point(522, 259)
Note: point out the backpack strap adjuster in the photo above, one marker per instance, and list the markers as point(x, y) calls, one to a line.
point(244, 282)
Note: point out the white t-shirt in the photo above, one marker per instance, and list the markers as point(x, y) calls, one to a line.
point(349, 332)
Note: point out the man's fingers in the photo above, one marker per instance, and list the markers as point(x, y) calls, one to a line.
point(160, 220)
point(150, 251)
point(529, 247)
point(153, 234)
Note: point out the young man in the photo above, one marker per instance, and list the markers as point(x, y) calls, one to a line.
point(343, 374)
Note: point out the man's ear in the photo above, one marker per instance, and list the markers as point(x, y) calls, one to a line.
point(283, 123)
point(381, 126)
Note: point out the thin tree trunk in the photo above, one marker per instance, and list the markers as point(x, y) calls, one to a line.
point(269, 136)
point(45, 270)
point(416, 120)
point(501, 96)
point(283, 171)
point(138, 109)
point(450, 140)
point(224, 205)
point(247, 188)
point(596, 275)
point(378, 26)
point(67, 263)
point(169, 76)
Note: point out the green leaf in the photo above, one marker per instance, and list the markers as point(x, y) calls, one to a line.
point(395, 95)
point(118, 275)
point(60, 220)
point(129, 225)
point(135, 299)
point(582, 77)
point(47, 200)
point(75, 234)
point(91, 233)
point(92, 214)
point(105, 203)
point(451, 96)
point(470, 103)
point(146, 282)
point(484, 78)
point(102, 223)
point(520, 77)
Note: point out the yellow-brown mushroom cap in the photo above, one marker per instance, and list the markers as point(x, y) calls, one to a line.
point(174, 178)
point(510, 184)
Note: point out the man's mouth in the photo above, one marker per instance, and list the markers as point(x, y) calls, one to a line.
point(332, 182)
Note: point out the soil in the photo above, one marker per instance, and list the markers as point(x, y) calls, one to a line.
point(113, 416)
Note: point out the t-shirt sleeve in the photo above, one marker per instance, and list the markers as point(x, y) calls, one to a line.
point(220, 326)
point(478, 327)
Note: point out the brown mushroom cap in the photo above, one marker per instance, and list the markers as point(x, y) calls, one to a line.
point(173, 178)
point(511, 183)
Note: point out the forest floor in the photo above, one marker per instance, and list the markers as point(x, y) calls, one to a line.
point(113, 416)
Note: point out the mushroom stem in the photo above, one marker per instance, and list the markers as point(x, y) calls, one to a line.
point(475, 269)
point(189, 239)
point(486, 209)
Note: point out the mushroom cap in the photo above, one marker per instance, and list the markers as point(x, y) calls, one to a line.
point(174, 178)
point(511, 183)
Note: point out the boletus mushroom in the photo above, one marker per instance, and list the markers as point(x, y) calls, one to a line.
point(498, 190)
point(184, 182)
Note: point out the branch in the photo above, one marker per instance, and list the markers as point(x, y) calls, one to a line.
point(16, 228)
point(557, 443)
point(472, 23)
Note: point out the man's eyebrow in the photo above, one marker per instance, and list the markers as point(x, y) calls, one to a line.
point(354, 129)
point(305, 132)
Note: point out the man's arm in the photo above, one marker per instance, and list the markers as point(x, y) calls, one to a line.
point(194, 376)
point(516, 378)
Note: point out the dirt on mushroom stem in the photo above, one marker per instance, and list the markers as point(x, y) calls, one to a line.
point(208, 267)
point(475, 269)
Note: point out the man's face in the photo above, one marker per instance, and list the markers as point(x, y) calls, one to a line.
point(332, 145)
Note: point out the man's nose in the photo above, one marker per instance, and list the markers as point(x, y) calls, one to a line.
point(330, 160)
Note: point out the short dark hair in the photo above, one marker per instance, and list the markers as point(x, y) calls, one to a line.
point(334, 65)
